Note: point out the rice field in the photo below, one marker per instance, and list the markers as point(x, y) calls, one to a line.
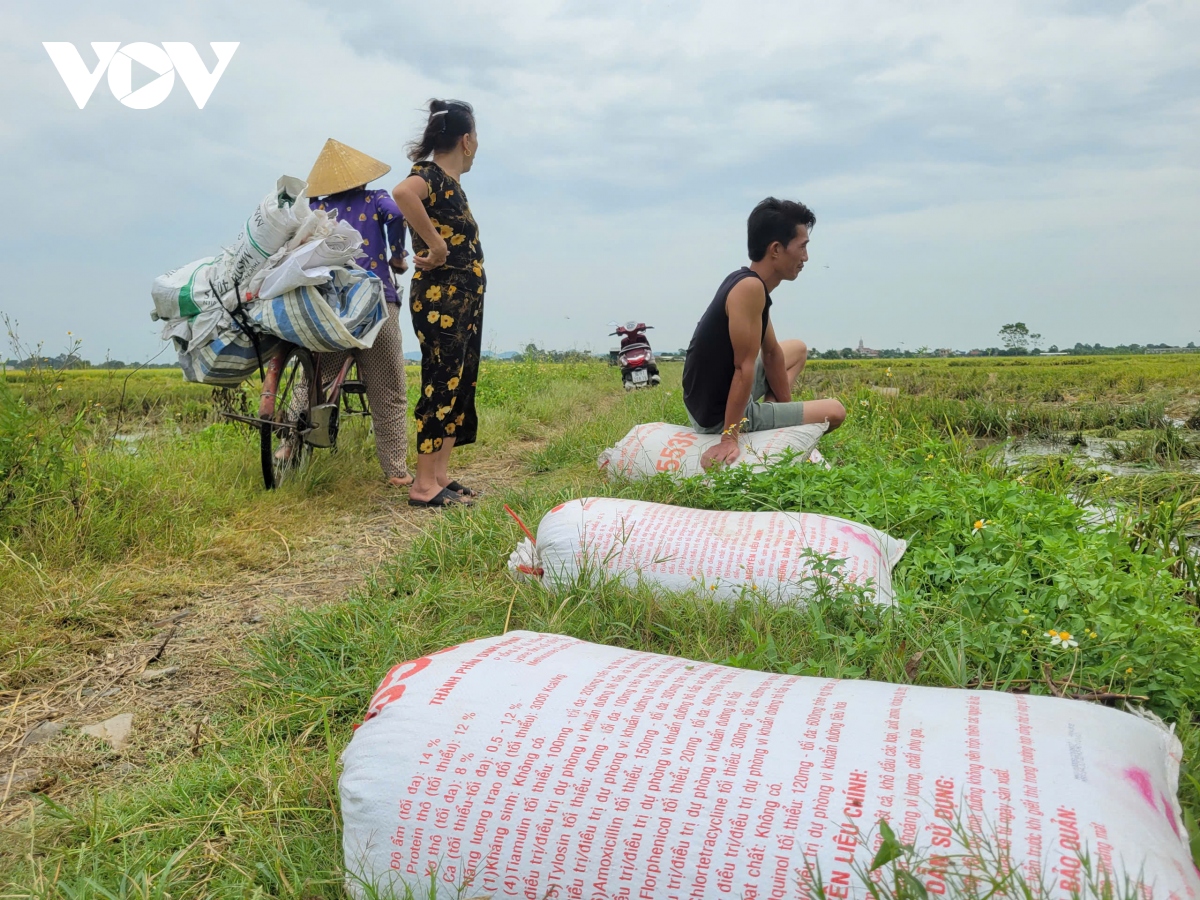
point(127, 501)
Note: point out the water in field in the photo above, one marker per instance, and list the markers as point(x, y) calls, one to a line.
point(1104, 453)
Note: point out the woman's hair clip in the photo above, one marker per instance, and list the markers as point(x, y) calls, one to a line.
point(440, 112)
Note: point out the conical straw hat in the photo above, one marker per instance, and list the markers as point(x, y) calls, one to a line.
point(340, 168)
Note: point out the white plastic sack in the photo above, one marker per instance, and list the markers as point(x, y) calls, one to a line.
point(318, 224)
point(179, 330)
point(276, 219)
point(536, 765)
point(220, 281)
point(196, 331)
point(206, 326)
point(661, 447)
point(310, 263)
point(725, 553)
point(186, 291)
point(345, 314)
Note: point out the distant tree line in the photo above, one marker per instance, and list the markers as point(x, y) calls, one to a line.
point(1016, 343)
point(926, 353)
point(72, 361)
point(533, 353)
point(1017, 340)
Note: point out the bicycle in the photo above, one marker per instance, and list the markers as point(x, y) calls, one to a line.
point(296, 412)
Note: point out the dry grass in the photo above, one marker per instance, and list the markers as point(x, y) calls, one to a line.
point(104, 624)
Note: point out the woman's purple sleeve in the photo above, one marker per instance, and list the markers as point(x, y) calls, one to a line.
point(393, 223)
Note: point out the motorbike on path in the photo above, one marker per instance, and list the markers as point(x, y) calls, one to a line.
point(636, 359)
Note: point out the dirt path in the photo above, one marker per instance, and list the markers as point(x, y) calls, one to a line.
point(170, 672)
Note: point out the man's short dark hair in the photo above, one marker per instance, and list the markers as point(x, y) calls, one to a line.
point(775, 220)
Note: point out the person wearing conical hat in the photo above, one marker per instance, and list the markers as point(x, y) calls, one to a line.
point(338, 185)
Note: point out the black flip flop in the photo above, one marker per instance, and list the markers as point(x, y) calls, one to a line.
point(440, 500)
point(461, 489)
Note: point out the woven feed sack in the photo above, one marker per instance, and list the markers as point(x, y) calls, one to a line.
point(657, 447)
point(537, 765)
point(272, 223)
point(185, 292)
point(204, 284)
point(725, 553)
point(228, 359)
point(311, 262)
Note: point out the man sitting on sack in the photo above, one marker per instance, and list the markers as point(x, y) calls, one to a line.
point(737, 376)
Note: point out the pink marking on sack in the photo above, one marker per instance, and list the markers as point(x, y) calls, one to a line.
point(862, 538)
point(1170, 814)
point(1141, 781)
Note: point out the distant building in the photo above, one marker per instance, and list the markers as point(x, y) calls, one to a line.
point(866, 351)
point(1172, 350)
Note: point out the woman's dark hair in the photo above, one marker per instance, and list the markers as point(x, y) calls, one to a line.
point(775, 220)
point(448, 121)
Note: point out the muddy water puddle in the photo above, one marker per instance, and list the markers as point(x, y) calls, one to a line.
point(1099, 453)
point(1096, 450)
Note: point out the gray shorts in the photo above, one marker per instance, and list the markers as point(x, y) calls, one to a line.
point(761, 416)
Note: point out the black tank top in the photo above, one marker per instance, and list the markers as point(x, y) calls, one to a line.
point(708, 368)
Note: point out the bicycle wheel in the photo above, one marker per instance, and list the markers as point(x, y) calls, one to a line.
point(281, 443)
point(354, 393)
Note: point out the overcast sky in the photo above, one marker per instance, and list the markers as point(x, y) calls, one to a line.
point(970, 164)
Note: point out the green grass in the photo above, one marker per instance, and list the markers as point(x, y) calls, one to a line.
point(254, 813)
point(1046, 380)
point(148, 396)
point(1162, 445)
point(82, 515)
point(996, 397)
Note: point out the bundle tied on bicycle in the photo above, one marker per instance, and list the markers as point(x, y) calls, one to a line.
point(289, 278)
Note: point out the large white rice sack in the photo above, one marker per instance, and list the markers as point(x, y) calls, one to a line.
point(192, 333)
point(220, 281)
point(536, 765)
point(726, 553)
point(662, 447)
point(276, 219)
point(185, 292)
point(308, 258)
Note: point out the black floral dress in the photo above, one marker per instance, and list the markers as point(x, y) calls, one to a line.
point(447, 315)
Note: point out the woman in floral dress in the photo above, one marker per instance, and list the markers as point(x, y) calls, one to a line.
point(446, 296)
